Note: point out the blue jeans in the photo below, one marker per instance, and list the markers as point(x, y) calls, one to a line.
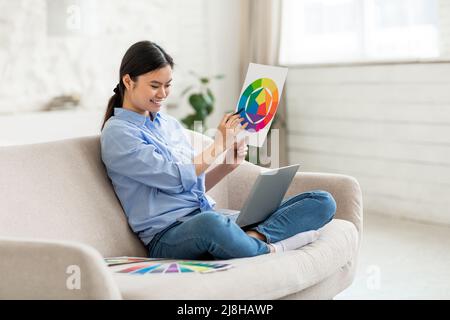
point(212, 235)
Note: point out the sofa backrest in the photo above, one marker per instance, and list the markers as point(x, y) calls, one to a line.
point(60, 190)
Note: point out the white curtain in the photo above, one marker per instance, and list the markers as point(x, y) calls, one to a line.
point(260, 36)
point(260, 43)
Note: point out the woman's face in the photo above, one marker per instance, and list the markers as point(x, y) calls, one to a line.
point(149, 90)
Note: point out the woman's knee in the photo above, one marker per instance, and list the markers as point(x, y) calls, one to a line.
point(327, 204)
point(223, 235)
point(212, 222)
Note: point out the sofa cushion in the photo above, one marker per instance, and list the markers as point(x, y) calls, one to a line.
point(60, 190)
point(269, 276)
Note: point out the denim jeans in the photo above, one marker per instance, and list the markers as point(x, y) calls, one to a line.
point(212, 235)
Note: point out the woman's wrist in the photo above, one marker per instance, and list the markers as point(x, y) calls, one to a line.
point(207, 157)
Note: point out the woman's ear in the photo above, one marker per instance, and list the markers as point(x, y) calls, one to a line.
point(127, 82)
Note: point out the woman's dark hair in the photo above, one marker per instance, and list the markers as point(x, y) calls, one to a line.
point(140, 58)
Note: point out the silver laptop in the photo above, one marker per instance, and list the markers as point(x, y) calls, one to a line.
point(265, 196)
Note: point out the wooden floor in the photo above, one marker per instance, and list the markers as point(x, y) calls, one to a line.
point(402, 259)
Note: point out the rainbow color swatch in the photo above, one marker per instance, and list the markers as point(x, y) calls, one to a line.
point(173, 267)
point(259, 103)
point(114, 261)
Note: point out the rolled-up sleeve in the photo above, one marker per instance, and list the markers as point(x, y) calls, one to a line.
point(130, 155)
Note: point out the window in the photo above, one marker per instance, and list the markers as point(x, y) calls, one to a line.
point(317, 31)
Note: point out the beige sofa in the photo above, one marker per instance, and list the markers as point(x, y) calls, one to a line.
point(59, 217)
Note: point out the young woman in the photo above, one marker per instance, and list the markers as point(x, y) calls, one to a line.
point(162, 186)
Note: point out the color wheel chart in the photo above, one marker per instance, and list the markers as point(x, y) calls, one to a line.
point(259, 100)
point(173, 267)
point(259, 103)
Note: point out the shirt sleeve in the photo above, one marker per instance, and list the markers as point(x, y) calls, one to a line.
point(130, 155)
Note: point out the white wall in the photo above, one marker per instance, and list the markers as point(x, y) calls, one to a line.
point(41, 59)
point(37, 127)
point(386, 125)
point(223, 38)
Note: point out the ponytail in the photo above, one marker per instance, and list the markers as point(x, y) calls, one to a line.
point(114, 102)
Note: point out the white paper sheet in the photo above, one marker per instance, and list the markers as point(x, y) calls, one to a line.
point(259, 100)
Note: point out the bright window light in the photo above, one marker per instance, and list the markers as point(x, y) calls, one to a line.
point(318, 31)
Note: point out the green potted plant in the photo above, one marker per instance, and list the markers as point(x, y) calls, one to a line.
point(201, 99)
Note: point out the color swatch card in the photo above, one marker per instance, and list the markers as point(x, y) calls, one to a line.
point(114, 261)
point(160, 267)
point(259, 100)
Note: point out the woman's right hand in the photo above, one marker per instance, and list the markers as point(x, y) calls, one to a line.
point(228, 129)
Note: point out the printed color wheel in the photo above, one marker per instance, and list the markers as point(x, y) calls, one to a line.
point(259, 103)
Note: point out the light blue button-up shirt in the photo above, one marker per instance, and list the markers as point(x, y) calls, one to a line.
point(152, 172)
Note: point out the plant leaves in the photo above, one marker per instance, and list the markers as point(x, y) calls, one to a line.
point(202, 101)
point(189, 121)
point(198, 102)
point(207, 99)
point(209, 109)
point(210, 95)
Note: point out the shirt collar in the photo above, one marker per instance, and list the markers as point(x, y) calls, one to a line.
point(135, 117)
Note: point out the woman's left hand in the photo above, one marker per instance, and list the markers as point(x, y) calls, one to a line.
point(236, 154)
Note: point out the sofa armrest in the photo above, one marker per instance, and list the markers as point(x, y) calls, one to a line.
point(43, 269)
point(345, 190)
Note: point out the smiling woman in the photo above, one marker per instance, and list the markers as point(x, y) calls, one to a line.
point(162, 186)
point(144, 82)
